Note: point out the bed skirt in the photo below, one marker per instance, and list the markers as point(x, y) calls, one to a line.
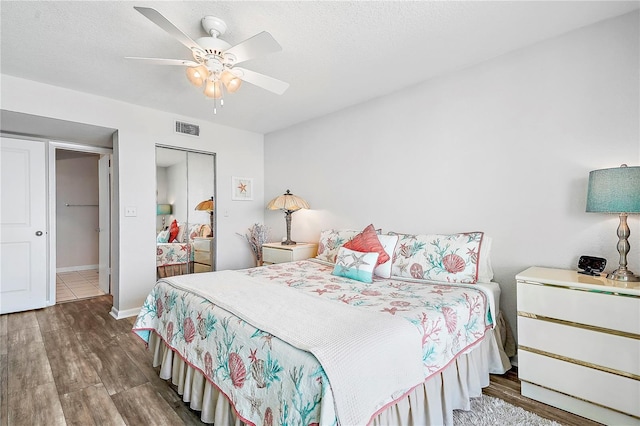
point(165, 271)
point(432, 403)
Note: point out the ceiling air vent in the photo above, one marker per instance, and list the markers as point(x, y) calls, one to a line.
point(187, 128)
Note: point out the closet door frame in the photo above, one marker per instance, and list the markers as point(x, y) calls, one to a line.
point(213, 156)
point(104, 269)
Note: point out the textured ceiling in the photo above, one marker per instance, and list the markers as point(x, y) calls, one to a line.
point(335, 54)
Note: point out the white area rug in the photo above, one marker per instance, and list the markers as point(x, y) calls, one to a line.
point(489, 411)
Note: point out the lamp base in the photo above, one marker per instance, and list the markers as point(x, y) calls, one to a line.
point(623, 274)
point(287, 218)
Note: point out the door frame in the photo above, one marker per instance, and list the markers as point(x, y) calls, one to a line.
point(68, 146)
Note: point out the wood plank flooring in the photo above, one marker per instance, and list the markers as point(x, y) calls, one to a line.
point(74, 364)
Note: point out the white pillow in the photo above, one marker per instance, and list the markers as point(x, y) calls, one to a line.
point(163, 236)
point(389, 243)
point(355, 265)
point(485, 271)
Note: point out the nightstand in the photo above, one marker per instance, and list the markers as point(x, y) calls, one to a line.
point(278, 253)
point(203, 254)
point(579, 343)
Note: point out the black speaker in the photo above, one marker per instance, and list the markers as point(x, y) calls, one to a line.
point(591, 265)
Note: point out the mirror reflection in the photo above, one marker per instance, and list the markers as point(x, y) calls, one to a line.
point(185, 206)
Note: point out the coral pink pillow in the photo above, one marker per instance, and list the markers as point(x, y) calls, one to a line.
point(173, 231)
point(367, 242)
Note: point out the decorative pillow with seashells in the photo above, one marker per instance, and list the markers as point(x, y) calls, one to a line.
point(330, 242)
point(355, 265)
point(448, 258)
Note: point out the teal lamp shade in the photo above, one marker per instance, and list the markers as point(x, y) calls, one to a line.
point(615, 190)
point(163, 209)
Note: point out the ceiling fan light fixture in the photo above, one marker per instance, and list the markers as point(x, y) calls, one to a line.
point(213, 89)
point(231, 81)
point(214, 59)
point(197, 75)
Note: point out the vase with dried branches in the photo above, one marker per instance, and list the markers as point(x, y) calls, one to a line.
point(257, 235)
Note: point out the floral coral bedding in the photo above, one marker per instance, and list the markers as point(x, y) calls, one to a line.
point(269, 381)
point(173, 253)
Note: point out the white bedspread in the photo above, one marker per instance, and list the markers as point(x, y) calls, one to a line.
point(387, 341)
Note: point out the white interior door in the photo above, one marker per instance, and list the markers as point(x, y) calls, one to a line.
point(104, 240)
point(23, 218)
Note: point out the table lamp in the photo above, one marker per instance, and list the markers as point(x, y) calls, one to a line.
point(207, 205)
point(288, 203)
point(616, 190)
point(163, 210)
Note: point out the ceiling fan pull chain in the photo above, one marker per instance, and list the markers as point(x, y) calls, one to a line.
point(221, 95)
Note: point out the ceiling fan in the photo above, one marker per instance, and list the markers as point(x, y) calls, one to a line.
point(214, 60)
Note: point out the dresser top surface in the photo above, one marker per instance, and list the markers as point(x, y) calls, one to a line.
point(570, 278)
point(291, 247)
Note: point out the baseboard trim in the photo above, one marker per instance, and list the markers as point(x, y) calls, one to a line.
point(76, 268)
point(127, 313)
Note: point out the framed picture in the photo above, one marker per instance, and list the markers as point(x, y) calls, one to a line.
point(241, 189)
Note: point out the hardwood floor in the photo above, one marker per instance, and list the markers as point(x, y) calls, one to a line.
point(74, 364)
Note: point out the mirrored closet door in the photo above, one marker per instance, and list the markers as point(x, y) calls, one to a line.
point(186, 212)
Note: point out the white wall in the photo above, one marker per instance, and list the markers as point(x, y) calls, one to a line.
point(77, 183)
point(504, 147)
point(239, 153)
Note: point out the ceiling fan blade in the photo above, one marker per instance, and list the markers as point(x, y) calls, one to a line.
point(159, 61)
point(157, 18)
point(259, 45)
point(268, 83)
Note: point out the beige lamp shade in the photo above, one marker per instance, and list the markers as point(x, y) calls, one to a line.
point(206, 205)
point(287, 201)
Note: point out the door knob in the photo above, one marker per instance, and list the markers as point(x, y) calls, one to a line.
point(38, 233)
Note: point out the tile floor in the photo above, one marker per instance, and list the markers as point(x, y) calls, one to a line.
point(77, 285)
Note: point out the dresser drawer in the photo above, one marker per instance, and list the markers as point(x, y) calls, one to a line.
point(605, 389)
point(202, 257)
point(272, 255)
point(598, 348)
point(595, 308)
point(198, 267)
point(202, 244)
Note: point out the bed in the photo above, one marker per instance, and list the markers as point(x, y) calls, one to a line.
point(177, 257)
point(400, 349)
point(173, 259)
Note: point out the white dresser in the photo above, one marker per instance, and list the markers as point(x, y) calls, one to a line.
point(579, 343)
point(203, 254)
point(278, 253)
